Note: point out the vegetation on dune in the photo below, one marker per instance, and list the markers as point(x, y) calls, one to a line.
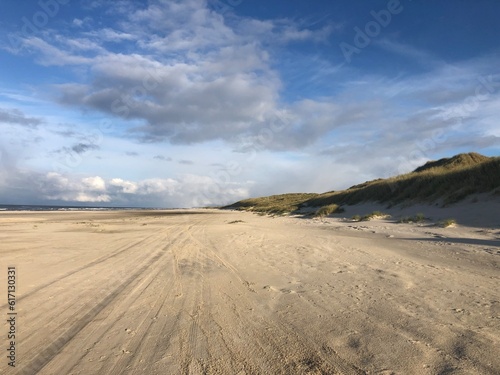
point(274, 204)
point(328, 210)
point(418, 218)
point(446, 181)
point(447, 223)
point(370, 216)
point(459, 161)
point(375, 215)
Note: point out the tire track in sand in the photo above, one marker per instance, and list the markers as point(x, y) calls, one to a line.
point(292, 351)
point(144, 342)
point(82, 268)
point(68, 302)
point(84, 316)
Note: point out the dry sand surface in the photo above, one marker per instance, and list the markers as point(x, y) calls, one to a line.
point(194, 292)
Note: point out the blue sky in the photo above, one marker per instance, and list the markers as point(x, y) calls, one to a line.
point(190, 103)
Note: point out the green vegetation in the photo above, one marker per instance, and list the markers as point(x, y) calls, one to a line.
point(374, 214)
point(328, 210)
point(418, 218)
point(457, 162)
point(447, 223)
point(368, 217)
point(445, 181)
point(274, 204)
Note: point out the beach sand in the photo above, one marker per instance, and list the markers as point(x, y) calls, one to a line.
point(224, 292)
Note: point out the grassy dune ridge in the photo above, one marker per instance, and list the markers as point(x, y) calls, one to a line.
point(274, 204)
point(445, 181)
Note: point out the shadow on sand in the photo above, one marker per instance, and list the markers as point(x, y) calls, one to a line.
point(468, 241)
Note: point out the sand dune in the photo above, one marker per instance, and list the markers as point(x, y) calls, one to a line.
point(215, 292)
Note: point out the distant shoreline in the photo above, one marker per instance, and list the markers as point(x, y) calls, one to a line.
point(36, 207)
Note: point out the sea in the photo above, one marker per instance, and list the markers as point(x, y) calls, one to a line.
point(30, 207)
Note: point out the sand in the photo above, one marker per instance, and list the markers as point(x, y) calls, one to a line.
point(222, 292)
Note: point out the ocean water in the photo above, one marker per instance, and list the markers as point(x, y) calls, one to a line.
point(29, 207)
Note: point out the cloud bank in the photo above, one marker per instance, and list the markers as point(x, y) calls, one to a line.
point(222, 88)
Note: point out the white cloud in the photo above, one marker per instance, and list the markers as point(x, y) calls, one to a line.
point(81, 22)
point(110, 35)
point(157, 185)
point(94, 183)
point(127, 187)
point(16, 116)
point(56, 188)
point(187, 75)
point(78, 22)
point(51, 55)
point(184, 102)
point(282, 31)
point(411, 53)
point(193, 76)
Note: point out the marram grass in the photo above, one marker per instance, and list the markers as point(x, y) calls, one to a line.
point(445, 181)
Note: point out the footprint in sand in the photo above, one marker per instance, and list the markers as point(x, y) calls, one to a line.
point(282, 290)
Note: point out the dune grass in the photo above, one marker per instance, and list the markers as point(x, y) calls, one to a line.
point(370, 216)
point(274, 204)
point(445, 181)
point(418, 218)
point(328, 210)
point(447, 223)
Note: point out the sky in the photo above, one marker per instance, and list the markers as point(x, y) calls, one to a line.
point(168, 103)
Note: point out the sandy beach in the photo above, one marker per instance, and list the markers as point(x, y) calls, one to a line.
point(225, 292)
